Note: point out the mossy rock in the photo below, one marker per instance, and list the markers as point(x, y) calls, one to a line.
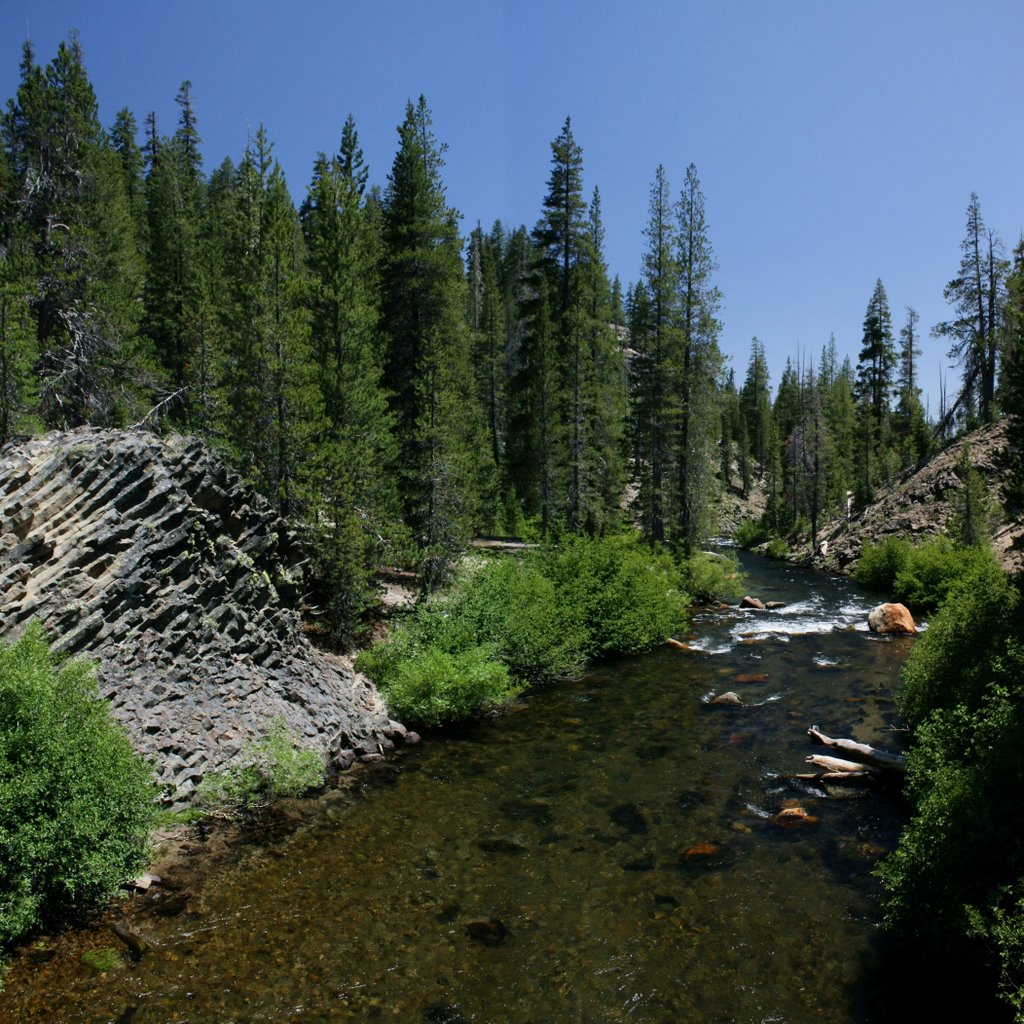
point(105, 959)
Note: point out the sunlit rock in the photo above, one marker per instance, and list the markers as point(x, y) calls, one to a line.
point(891, 618)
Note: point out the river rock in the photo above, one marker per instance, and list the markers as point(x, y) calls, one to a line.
point(754, 603)
point(794, 817)
point(729, 698)
point(491, 932)
point(707, 856)
point(154, 560)
point(774, 605)
point(891, 618)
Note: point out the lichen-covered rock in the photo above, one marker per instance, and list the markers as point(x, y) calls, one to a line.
point(891, 618)
point(152, 558)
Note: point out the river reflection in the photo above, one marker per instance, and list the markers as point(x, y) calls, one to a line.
point(606, 853)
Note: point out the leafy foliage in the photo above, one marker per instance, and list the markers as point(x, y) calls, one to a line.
point(76, 802)
point(270, 769)
point(435, 686)
point(956, 877)
point(533, 617)
point(628, 598)
point(919, 575)
point(750, 533)
point(709, 577)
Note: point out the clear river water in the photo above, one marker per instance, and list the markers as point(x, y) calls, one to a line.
point(606, 852)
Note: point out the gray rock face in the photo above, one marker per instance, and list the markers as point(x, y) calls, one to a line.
point(150, 557)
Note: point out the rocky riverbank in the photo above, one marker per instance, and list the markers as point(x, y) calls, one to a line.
point(920, 504)
point(152, 558)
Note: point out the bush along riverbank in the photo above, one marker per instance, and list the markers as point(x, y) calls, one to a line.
point(519, 620)
point(955, 883)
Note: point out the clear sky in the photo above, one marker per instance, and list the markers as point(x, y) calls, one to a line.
point(837, 141)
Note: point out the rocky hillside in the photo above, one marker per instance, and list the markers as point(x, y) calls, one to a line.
point(919, 505)
point(152, 558)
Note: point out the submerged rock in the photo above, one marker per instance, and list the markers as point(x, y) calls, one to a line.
point(500, 844)
point(707, 856)
point(630, 818)
point(891, 618)
point(794, 817)
point(491, 932)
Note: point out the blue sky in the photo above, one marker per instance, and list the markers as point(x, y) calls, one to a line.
point(836, 142)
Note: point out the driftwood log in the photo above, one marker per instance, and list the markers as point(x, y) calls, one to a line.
point(870, 765)
point(862, 752)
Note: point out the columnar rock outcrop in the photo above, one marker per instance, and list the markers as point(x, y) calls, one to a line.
point(152, 558)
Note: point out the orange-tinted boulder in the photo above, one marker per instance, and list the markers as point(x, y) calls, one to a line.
point(891, 618)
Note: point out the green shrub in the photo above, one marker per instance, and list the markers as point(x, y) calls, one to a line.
point(879, 564)
point(513, 606)
point(750, 533)
point(933, 568)
point(527, 619)
point(955, 880)
point(966, 647)
point(270, 769)
point(627, 598)
point(435, 686)
point(919, 575)
point(778, 549)
point(76, 802)
point(711, 577)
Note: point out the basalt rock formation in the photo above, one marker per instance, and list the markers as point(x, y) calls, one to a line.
point(153, 559)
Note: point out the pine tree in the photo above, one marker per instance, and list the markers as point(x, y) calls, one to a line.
point(911, 427)
point(756, 405)
point(603, 382)
point(977, 295)
point(354, 502)
point(655, 340)
point(175, 289)
point(560, 239)
point(18, 391)
point(875, 375)
point(79, 237)
point(1012, 383)
point(700, 363)
point(427, 368)
point(273, 411)
point(837, 384)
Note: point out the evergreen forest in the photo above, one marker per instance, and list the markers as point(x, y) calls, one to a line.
point(400, 382)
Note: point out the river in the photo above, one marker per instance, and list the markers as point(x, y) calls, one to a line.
point(608, 851)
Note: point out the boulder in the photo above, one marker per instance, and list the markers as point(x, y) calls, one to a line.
point(752, 602)
point(730, 698)
point(891, 618)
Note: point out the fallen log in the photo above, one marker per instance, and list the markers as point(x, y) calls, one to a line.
point(837, 765)
point(865, 754)
point(838, 777)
